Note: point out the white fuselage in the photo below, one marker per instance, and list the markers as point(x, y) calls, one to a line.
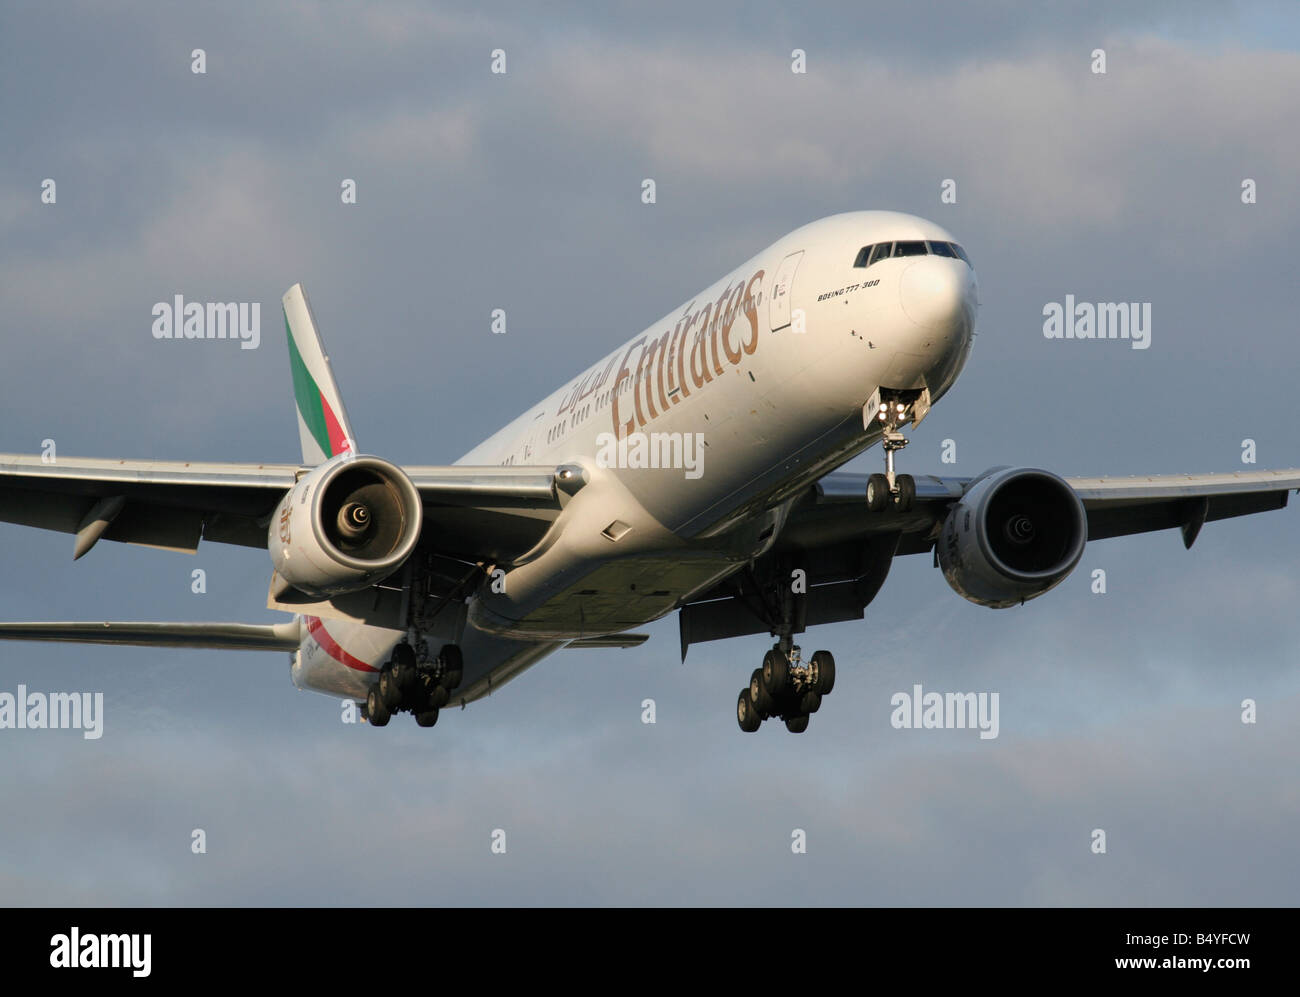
point(750, 391)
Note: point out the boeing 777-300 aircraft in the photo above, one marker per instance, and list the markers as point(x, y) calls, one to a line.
point(690, 470)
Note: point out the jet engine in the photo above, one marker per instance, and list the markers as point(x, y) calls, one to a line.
point(351, 522)
point(1015, 534)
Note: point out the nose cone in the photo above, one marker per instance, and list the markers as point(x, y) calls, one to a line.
point(937, 292)
point(940, 296)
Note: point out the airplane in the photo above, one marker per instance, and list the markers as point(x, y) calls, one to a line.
point(693, 469)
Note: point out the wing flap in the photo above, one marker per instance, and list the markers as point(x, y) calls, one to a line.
point(612, 640)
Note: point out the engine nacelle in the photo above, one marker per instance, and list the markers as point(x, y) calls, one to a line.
point(1015, 534)
point(351, 522)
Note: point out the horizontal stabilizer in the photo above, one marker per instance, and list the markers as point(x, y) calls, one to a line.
point(222, 636)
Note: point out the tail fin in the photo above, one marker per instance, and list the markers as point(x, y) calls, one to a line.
point(322, 421)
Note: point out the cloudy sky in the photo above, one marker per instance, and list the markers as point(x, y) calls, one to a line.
point(522, 191)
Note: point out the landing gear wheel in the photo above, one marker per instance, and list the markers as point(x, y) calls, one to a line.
point(878, 494)
point(776, 672)
point(388, 690)
point(453, 665)
point(797, 724)
point(758, 694)
point(906, 492)
point(376, 709)
point(746, 715)
point(823, 668)
point(426, 718)
point(438, 697)
point(403, 669)
point(811, 702)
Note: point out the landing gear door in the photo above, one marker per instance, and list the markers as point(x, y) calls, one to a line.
point(779, 309)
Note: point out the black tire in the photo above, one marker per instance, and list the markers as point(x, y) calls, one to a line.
point(388, 689)
point(746, 715)
point(453, 666)
point(906, 492)
point(797, 724)
point(427, 694)
point(426, 718)
point(776, 672)
point(758, 694)
point(823, 663)
point(811, 702)
point(404, 655)
point(376, 709)
point(878, 494)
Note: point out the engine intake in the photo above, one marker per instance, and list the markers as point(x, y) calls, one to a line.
point(1015, 534)
point(349, 523)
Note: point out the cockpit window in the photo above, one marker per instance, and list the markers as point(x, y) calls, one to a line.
point(870, 255)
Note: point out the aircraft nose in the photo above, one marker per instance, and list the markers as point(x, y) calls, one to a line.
point(937, 291)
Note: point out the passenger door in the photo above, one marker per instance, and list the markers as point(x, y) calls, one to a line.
point(779, 308)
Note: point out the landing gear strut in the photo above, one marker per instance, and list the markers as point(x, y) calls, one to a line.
point(786, 685)
point(900, 489)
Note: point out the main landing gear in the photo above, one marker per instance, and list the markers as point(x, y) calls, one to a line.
point(887, 488)
point(787, 687)
point(407, 687)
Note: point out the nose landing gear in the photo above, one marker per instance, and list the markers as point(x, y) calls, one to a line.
point(892, 409)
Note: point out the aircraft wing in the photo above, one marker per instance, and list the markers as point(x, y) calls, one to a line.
point(845, 550)
point(836, 509)
point(477, 512)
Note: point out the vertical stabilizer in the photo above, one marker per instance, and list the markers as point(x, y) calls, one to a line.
point(322, 421)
